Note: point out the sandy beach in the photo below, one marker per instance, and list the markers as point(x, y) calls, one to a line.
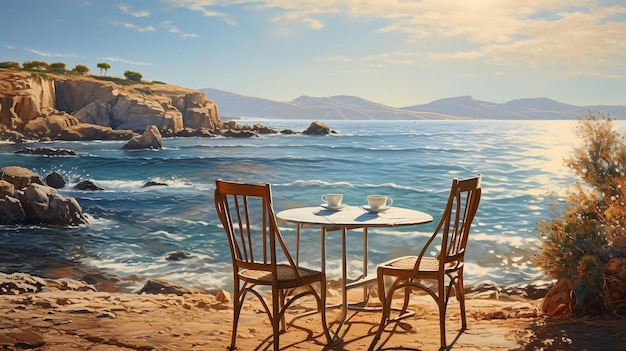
point(69, 315)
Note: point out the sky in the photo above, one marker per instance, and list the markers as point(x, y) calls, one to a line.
point(395, 52)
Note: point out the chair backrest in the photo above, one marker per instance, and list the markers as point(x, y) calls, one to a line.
point(245, 211)
point(456, 220)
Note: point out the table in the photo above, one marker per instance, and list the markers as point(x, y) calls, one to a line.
point(349, 217)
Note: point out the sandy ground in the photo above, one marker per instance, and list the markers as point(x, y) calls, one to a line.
point(55, 319)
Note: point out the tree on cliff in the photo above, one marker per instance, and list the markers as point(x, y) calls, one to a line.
point(583, 241)
point(35, 65)
point(58, 67)
point(10, 64)
point(80, 69)
point(104, 67)
point(134, 76)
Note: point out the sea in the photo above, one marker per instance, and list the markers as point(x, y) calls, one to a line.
point(133, 230)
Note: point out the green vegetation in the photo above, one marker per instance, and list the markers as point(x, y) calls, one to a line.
point(579, 243)
point(134, 76)
point(57, 67)
point(35, 65)
point(103, 67)
point(10, 64)
point(146, 90)
point(80, 69)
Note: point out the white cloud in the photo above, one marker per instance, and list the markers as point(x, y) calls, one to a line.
point(575, 35)
point(118, 59)
point(127, 10)
point(49, 54)
point(137, 28)
point(170, 27)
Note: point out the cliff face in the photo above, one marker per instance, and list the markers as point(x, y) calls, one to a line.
point(26, 97)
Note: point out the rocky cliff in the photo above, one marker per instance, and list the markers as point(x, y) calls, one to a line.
point(88, 107)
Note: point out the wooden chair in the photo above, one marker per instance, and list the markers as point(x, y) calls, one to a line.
point(409, 271)
point(257, 247)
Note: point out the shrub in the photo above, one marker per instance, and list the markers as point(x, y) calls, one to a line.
point(10, 64)
point(580, 242)
point(134, 76)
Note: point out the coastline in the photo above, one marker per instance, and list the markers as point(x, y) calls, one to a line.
point(67, 314)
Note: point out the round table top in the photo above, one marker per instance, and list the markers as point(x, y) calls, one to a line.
point(354, 217)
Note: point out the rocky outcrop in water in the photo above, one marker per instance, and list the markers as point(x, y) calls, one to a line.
point(26, 199)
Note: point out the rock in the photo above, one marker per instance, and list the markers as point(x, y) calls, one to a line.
point(35, 202)
point(150, 139)
point(261, 129)
point(43, 204)
point(55, 180)
point(288, 131)
point(46, 151)
point(238, 133)
point(86, 131)
point(177, 256)
point(559, 299)
point(6, 188)
point(317, 128)
point(20, 177)
point(162, 286)
point(153, 183)
point(49, 126)
point(87, 185)
point(12, 135)
point(11, 211)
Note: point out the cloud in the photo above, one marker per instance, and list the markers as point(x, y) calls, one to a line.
point(135, 27)
point(126, 9)
point(574, 35)
point(49, 54)
point(171, 28)
point(117, 59)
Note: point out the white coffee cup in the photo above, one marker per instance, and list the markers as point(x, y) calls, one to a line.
point(332, 200)
point(379, 201)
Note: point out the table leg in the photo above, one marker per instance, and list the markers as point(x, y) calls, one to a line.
point(298, 226)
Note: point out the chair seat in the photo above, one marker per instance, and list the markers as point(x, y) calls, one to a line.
point(286, 277)
point(429, 265)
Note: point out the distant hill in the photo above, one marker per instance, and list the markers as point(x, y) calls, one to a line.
point(355, 108)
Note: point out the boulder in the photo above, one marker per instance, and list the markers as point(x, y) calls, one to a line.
point(43, 204)
point(150, 139)
point(162, 286)
point(20, 177)
point(46, 151)
point(55, 180)
point(317, 128)
point(88, 184)
point(6, 189)
point(49, 126)
point(558, 301)
point(85, 131)
point(153, 183)
point(11, 211)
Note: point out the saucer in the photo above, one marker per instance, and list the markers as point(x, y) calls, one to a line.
point(333, 208)
point(375, 210)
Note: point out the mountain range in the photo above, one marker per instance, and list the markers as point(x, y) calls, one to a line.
point(354, 108)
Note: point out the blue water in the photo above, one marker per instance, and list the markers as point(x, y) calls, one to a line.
point(133, 229)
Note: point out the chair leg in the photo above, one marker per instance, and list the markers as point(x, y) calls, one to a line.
point(383, 319)
point(441, 301)
point(461, 297)
point(386, 302)
point(237, 304)
point(276, 318)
